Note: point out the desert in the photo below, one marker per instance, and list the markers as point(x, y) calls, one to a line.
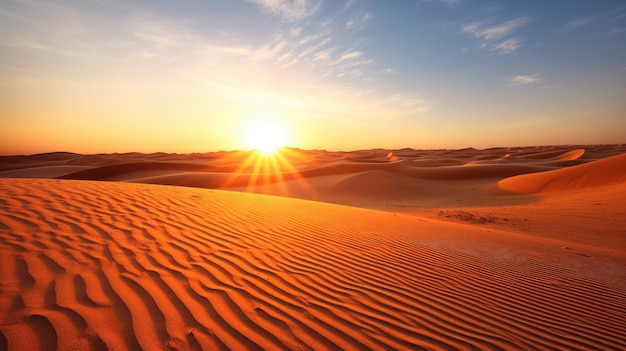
point(312, 175)
point(499, 249)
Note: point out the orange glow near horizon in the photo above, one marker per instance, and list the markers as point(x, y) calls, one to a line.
point(260, 168)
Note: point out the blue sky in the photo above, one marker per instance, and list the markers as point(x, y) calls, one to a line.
point(183, 76)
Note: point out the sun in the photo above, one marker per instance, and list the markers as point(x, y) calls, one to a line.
point(265, 135)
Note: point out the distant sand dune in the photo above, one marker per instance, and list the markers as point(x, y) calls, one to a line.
point(95, 265)
point(557, 154)
point(602, 172)
point(43, 171)
point(570, 155)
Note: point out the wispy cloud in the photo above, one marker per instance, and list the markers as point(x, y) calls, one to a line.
point(506, 47)
point(576, 23)
point(405, 100)
point(525, 79)
point(295, 31)
point(323, 55)
point(447, 2)
point(494, 32)
point(349, 4)
point(290, 10)
point(162, 33)
point(606, 18)
point(30, 26)
point(307, 43)
point(350, 55)
point(358, 20)
point(491, 36)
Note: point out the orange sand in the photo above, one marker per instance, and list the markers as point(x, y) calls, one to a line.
point(460, 249)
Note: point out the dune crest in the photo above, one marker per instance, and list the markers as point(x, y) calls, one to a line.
point(93, 266)
point(608, 171)
point(570, 155)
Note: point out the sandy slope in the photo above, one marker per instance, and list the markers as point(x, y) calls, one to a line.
point(94, 265)
point(504, 248)
point(603, 172)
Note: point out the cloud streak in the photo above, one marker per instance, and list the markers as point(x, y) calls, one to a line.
point(607, 17)
point(359, 21)
point(494, 37)
point(506, 47)
point(575, 24)
point(494, 32)
point(289, 10)
point(351, 55)
point(525, 79)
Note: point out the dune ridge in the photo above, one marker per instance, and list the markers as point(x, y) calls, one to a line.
point(96, 265)
point(426, 164)
point(608, 171)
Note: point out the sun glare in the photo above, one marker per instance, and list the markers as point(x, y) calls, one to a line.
point(266, 136)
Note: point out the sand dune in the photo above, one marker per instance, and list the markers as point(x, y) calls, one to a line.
point(603, 172)
point(428, 183)
point(504, 248)
point(43, 171)
point(425, 163)
point(92, 265)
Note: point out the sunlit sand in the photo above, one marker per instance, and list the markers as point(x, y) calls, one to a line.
point(504, 248)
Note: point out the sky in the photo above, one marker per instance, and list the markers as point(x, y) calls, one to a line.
point(93, 76)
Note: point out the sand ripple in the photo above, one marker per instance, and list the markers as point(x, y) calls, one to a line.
point(97, 266)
